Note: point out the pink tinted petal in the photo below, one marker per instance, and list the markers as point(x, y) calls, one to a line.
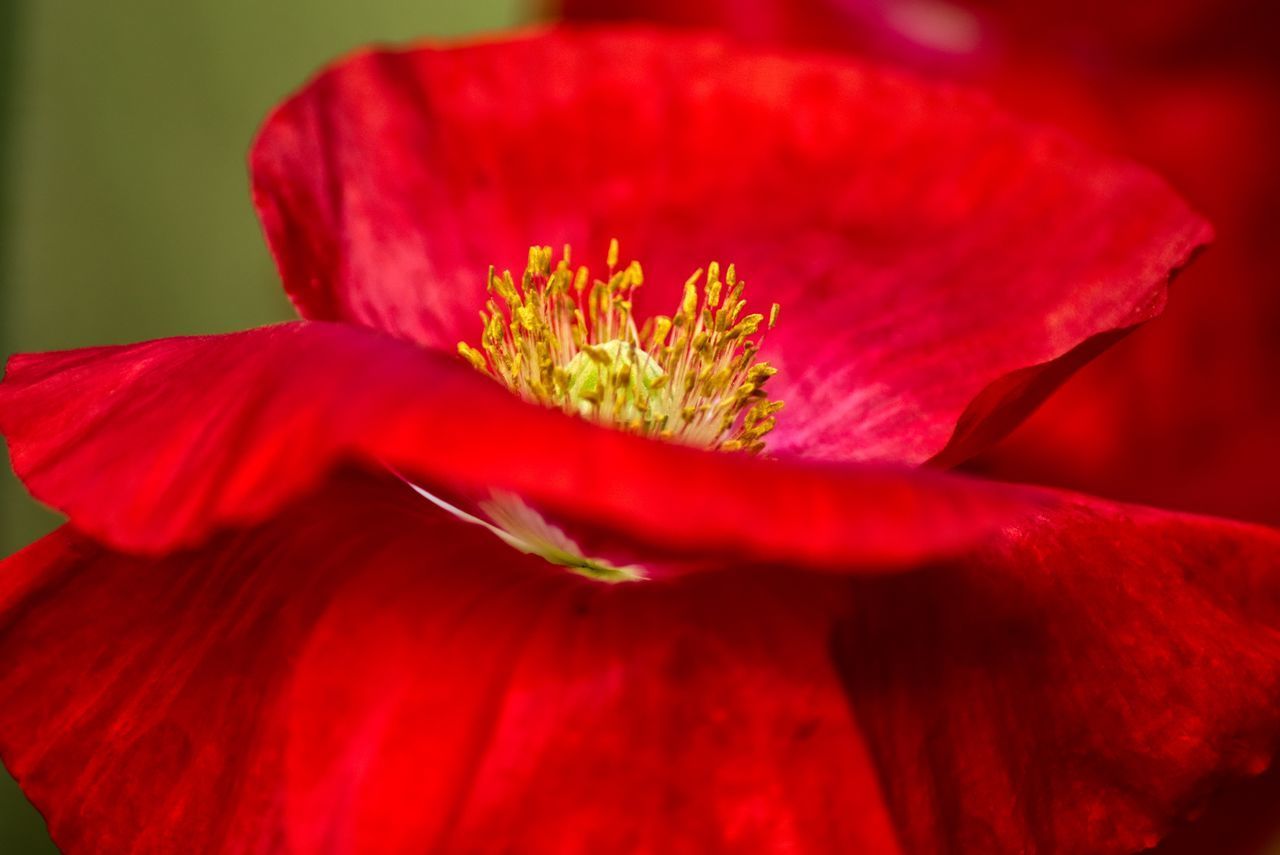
point(154, 445)
point(1077, 688)
point(364, 675)
point(923, 245)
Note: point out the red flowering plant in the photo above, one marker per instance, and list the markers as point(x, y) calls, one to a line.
point(638, 560)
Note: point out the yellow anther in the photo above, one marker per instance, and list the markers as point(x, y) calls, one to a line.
point(661, 327)
point(689, 305)
point(552, 339)
point(713, 292)
point(598, 355)
point(747, 326)
point(475, 357)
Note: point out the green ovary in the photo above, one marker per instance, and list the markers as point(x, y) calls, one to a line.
point(619, 366)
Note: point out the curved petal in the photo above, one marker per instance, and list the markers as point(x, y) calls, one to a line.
point(922, 244)
point(1186, 414)
point(154, 445)
point(1074, 689)
point(363, 675)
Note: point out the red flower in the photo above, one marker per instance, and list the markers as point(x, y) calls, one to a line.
point(1186, 412)
point(251, 636)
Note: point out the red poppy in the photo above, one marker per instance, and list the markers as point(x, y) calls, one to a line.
point(253, 636)
point(1185, 413)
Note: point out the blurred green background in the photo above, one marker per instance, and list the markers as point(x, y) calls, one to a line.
point(124, 203)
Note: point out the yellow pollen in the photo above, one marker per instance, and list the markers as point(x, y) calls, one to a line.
point(690, 377)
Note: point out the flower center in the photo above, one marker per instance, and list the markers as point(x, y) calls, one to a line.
point(619, 365)
point(690, 377)
point(561, 339)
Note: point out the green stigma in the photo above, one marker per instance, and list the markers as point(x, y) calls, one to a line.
point(617, 368)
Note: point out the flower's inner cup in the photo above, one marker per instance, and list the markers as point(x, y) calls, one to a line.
point(690, 377)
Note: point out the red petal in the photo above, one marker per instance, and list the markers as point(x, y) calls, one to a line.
point(153, 445)
point(1186, 414)
point(362, 675)
point(1240, 820)
point(1074, 690)
point(922, 244)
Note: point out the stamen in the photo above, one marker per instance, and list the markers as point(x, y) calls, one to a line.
point(690, 377)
